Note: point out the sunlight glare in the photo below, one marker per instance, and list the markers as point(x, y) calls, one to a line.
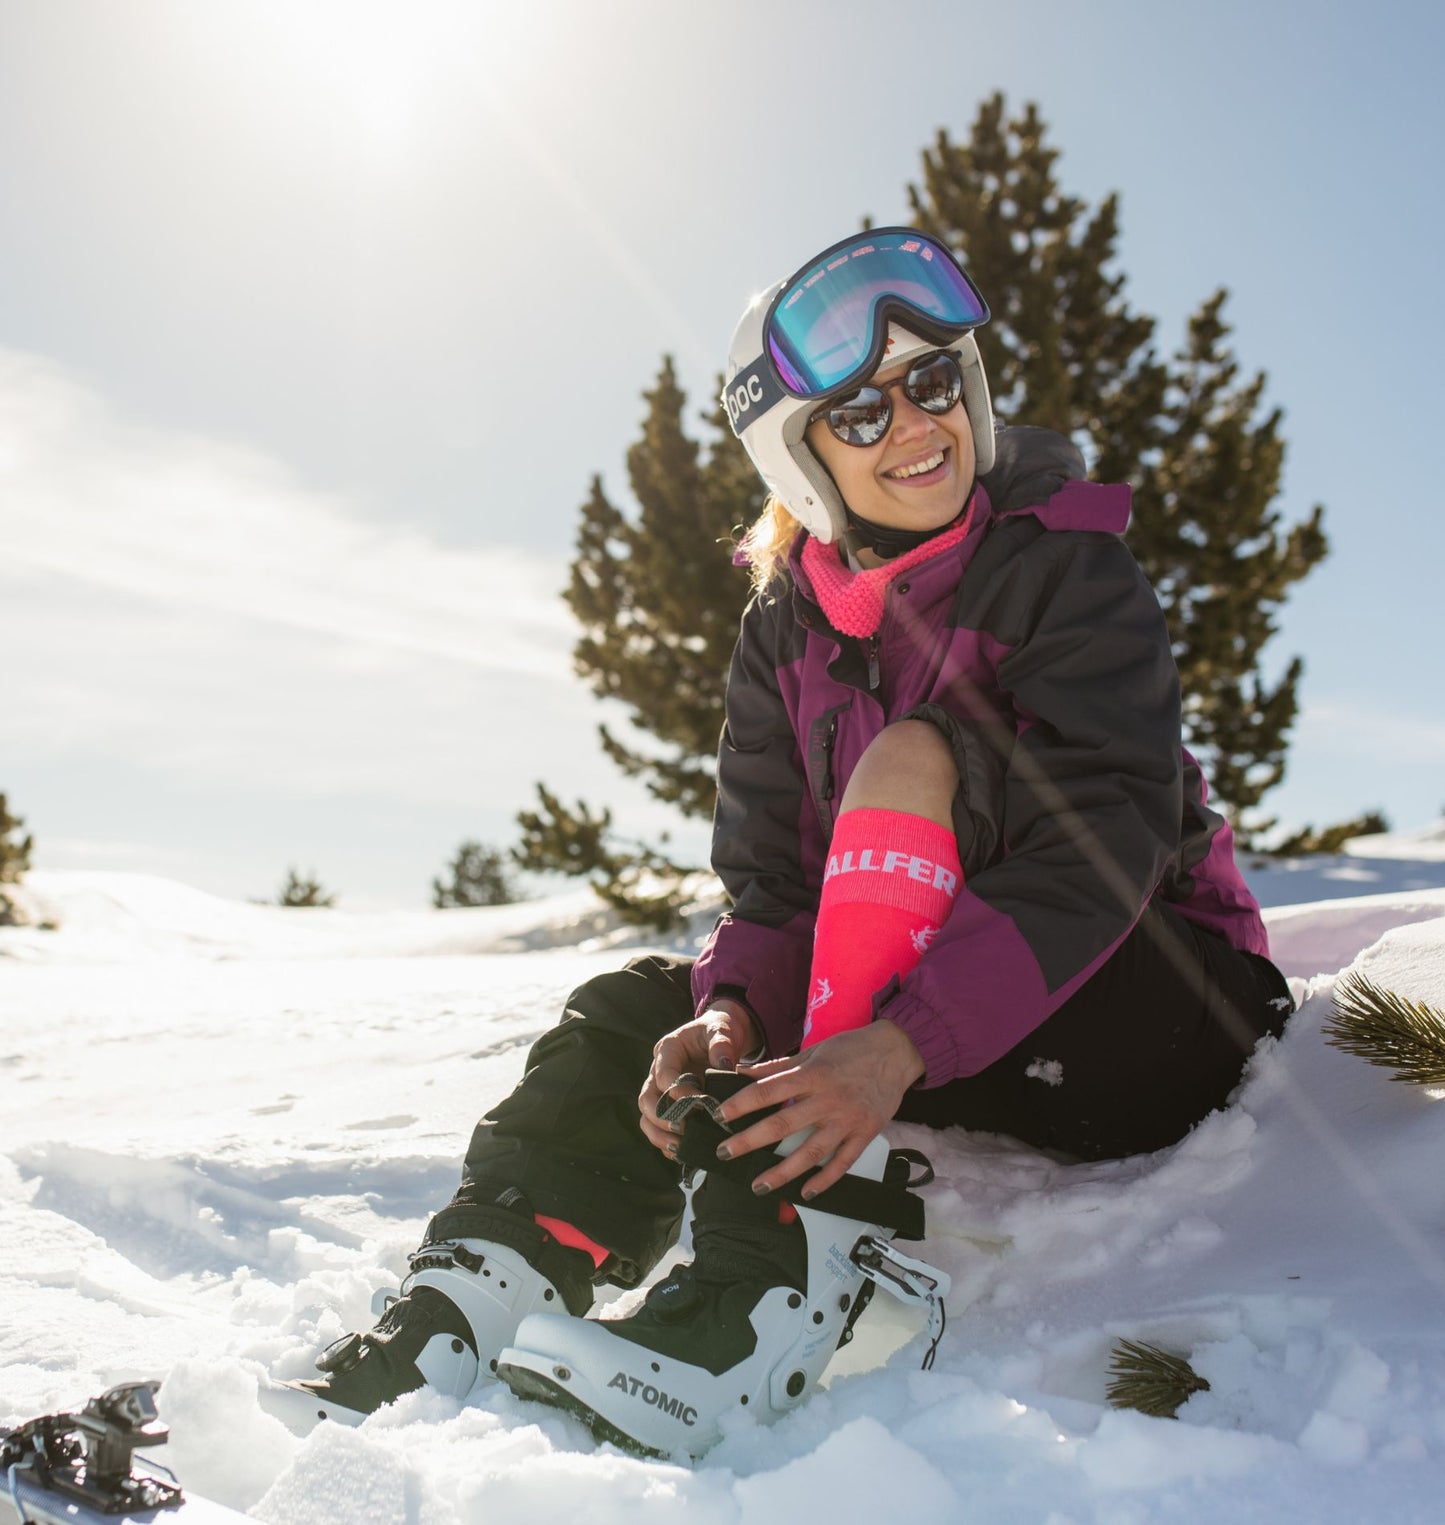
point(377, 71)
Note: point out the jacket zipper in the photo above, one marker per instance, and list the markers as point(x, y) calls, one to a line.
point(822, 744)
point(871, 647)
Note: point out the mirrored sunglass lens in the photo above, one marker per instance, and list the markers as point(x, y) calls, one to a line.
point(935, 385)
point(862, 418)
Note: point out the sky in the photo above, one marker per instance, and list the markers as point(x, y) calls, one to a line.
point(316, 320)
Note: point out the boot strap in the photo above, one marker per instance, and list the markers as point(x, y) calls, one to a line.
point(887, 1203)
point(560, 1264)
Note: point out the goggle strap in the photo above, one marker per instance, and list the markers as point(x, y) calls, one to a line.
point(751, 393)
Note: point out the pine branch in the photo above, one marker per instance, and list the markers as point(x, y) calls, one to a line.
point(1384, 1028)
point(1151, 1380)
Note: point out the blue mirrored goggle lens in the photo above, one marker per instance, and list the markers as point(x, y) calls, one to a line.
point(825, 326)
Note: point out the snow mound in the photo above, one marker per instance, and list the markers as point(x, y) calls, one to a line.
point(108, 917)
point(1326, 936)
point(1427, 845)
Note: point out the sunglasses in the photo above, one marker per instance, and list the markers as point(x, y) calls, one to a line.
point(933, 383)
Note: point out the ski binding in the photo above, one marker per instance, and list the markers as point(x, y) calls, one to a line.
point(80, 1468)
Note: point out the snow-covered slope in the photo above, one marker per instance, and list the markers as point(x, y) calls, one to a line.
point(223, 1126)
point(107, 917)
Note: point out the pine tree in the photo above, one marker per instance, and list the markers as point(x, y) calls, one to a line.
point(658, 600)
point(303, 891)
point(1065, 351)
point(1329, 839)
point(14, 859)
point(644, 886)
point(479, 876)
point(15, 850)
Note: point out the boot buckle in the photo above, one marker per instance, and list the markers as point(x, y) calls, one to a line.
point(907, 1279)
point(341, 1355)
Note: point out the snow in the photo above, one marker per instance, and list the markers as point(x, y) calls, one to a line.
point(225, 1125)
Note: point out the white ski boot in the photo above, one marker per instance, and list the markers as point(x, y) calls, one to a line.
point(460, 1303)
point(750, 1324)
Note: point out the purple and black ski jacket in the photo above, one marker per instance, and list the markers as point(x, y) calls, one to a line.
point(1039, 649)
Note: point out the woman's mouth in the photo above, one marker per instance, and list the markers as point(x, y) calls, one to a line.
point(921, 473)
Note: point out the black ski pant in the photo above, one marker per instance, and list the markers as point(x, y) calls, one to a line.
point(1153, 1042)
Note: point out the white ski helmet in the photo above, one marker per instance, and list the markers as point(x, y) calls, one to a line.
point(822, 332)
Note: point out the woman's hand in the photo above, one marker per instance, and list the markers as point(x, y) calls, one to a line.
point(716, 1039)
point(847, 1088)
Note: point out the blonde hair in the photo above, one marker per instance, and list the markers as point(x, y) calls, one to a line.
point(767, 542)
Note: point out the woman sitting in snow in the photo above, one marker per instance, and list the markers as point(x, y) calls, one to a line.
point(974, 882)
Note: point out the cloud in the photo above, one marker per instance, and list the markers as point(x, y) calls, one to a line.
point(1352, 727)
point(196, 523)
point(184, 605)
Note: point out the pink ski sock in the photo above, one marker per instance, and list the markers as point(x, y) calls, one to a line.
point(890, 883)
point(573, 1238)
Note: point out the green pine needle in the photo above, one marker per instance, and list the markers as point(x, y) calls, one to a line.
point(1151, 1380)
point(1384, 1028)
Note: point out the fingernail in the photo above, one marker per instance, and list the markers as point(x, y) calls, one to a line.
point(724, 1152)
point(808, 1194)
point(760, 1189)
point(726, 1063)
point(672, 1150)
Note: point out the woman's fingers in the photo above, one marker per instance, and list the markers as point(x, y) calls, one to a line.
point(778, 1081)
point(677, 1061)
point(771, 1131)
point(676, 1055)
point(832, 1148)
point(724, 1052)
point(659, 1136)
point(844, 1158)
point(836, 1089)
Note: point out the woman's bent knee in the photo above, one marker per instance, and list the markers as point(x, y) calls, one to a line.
point(908, 766)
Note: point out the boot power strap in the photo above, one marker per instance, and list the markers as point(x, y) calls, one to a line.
point(888, 1203)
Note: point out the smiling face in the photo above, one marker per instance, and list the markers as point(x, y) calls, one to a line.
point(917, 477)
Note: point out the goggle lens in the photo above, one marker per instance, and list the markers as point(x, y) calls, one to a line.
point(828, 324)
point(934, 384)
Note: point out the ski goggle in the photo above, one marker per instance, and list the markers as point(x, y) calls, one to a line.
point(933, 383)
point(829, 324)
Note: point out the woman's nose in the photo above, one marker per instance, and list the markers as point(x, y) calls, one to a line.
point(909, 420)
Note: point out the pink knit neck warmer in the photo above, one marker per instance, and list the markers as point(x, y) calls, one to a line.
point(853, 601)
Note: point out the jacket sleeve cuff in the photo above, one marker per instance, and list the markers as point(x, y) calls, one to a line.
point(739, 994)
point(778, 1034)
point(929, 1034)
point(767, 968)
